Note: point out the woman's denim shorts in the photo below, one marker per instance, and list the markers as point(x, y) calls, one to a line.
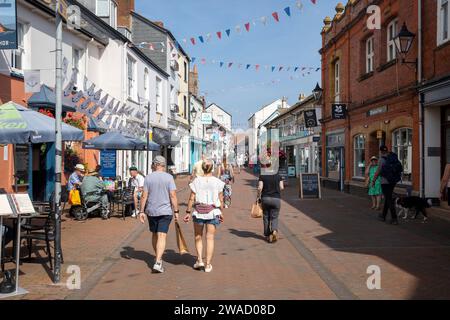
point(215, 221)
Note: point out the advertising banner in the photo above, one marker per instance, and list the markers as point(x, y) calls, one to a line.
point(8, 25)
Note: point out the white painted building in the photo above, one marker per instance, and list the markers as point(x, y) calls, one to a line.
point(257, 119)
point(219, 133)
point(100, 55)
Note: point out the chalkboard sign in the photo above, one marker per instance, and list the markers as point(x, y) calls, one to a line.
point(310, 186)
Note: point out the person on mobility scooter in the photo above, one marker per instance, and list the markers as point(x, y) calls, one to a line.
point(93, 198)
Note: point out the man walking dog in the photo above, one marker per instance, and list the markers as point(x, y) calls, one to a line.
point(159, 203)
point(390, 170)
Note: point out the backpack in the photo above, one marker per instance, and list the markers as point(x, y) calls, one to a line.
point(392, 169)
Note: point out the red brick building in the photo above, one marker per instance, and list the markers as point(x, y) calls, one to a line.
point(361, 69)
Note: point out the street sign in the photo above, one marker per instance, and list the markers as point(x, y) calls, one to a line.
point(310, 118)
point(339, 111)
point(206, 118)
point(8, 25)
point(310, 186)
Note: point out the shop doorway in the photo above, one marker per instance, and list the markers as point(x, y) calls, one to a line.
point(445, 158)
point(376, 140)
point(43, 159)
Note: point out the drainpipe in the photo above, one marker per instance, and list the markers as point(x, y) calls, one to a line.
point(421, 109)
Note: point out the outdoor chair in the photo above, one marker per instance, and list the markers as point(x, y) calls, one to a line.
point(41, 228)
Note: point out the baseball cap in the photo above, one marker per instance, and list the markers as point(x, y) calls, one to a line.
point(159, 160)
point(133, 168)
point(80, 167)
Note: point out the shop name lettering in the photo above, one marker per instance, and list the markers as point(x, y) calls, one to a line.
point(4, 43)
point(12, 125)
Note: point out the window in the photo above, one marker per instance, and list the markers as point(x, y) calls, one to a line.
point(146, 85)
point(185, 107)
point(107, 9)
point(113, 14)
point(392, 31)
point(158, 95)
point(185, 72)
point(443, 21)
point(102, 8)
point(402, 146)
point(370, 54)
point(131, 78)
point(76, 63)
point(360, 156)
point(337, 90)
point(17, 56)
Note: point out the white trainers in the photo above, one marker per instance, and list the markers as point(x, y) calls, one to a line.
point(208, 268)
point(135, 214)
point(199, 265)
point(157, 267)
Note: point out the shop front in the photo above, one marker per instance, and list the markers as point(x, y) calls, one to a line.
point(335, 160)
point(436, 105)
point(302, 155)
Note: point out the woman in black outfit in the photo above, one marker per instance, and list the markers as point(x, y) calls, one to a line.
point(269, 188)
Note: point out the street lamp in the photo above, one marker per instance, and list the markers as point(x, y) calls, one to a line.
point(317, 92)
point(193, 114)
point(403, 43)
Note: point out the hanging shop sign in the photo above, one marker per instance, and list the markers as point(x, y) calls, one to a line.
point(8, 25)
point(206, 118)
point(338, 111)
point(310, 118)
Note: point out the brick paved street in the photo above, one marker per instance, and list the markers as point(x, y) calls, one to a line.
point(324, 251)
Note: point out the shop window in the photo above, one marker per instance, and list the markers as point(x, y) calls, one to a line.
point(392, 31)
point(21, 156)
point(443, 21)
point(402, 146)
point(370, 54)
point(333, 162)
point(359, 163)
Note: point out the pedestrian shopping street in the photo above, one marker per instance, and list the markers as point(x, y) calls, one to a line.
point(324, 251)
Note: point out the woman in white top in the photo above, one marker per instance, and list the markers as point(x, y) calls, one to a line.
point(206, 201)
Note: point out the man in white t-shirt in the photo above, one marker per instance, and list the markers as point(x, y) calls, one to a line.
point(137, 181)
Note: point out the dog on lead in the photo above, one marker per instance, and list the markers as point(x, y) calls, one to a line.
point(415, 204)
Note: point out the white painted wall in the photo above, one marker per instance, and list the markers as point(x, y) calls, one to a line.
point(220, 116)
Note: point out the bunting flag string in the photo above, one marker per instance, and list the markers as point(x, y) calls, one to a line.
point(256, 67)
point(272, 82)
point(263, 20)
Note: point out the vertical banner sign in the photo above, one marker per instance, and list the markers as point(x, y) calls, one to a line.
point(108, 163)
point(310, 118)
point(8, 24)
point(339, 111)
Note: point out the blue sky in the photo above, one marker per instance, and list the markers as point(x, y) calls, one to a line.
point(293, 41)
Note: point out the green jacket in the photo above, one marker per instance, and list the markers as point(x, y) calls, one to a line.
point(92, 188)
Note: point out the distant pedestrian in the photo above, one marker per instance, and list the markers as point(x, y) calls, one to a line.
point(197, 171)
point(137, 183)
point(206, 201)
point(269, 189)
point(93, 190)
point(374, 189)
point(390, 170)
point(159, 202)
point(226, 174)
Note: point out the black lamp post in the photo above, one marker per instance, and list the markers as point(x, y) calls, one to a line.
point(403, 43)
point(193, 114)
point(317, 92)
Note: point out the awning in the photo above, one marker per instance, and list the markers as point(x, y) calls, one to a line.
point(113, 141)
point(21, 125)
point(165, 137)
point(46, 98)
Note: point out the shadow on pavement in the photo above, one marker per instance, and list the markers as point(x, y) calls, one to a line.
point(246, 234)
point(170, 256)
point(419, 249)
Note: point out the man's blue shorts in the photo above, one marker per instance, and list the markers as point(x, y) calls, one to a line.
point(160, 223)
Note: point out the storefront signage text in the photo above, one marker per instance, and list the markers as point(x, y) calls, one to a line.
point(379, 110)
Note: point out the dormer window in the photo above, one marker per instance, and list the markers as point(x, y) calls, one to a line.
point(107, 9)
